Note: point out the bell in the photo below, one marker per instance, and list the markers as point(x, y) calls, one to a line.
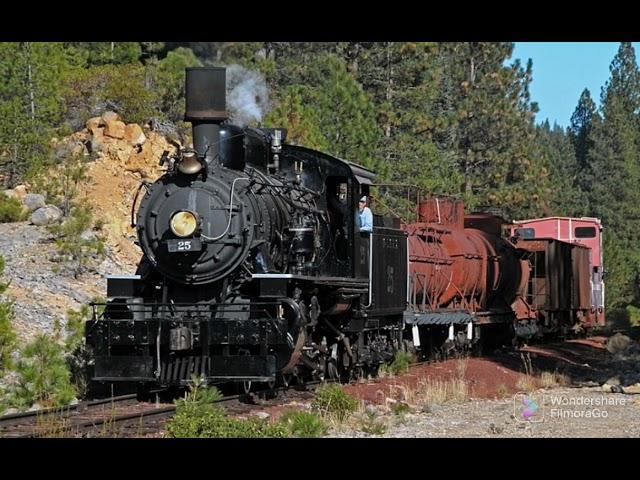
point(190, 163)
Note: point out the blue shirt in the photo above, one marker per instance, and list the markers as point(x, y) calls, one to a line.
point(366, 219)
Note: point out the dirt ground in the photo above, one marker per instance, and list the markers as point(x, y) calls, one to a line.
point(504, 395)
point(562, 412)
point(498, 391)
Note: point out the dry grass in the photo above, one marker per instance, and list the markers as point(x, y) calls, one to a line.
point(54, 425)
point(401, 400)
point(526, 383)
point(502, 391)
point(554, 379)
point(431, 391)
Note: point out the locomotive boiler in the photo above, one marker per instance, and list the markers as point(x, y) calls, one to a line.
point(253, 268)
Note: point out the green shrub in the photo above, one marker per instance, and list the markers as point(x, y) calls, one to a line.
point(304, 424)
point(634, 315)
point(371, 425)
point(77, 354)
point(401, 363)
point(197, 416)
point(42, 375)
point(331, 399)
point(8, 338)
point(400, 409)
point(71, 239)
point(10, 209)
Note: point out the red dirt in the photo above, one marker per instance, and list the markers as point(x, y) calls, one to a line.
point(495, 376)
point(485, 379)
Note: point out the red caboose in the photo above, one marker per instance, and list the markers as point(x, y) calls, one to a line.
point(567, 278)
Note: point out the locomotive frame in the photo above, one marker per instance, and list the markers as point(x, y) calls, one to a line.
point(254, 268)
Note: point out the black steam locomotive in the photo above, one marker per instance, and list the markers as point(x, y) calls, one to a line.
point(253, 267)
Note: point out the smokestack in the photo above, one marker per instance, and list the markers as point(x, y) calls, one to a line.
point(206, 108)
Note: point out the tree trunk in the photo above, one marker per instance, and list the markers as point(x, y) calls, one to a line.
point(32, 104)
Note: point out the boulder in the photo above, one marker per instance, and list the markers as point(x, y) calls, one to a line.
point(114, 129)
point(94, 123)
point(608, 388)
point(632, 389)
point(88, 235)
point(613, 381)
point(109, 116)
point(134, 134)
point(34, 201)
point(21, 191)
point(46, 215)
point(618, 344)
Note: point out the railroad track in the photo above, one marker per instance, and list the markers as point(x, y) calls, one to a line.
point(113, 417)
point(93, 418)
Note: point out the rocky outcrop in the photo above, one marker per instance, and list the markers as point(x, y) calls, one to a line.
point(134, 134)
point(40, 289)
point(109, 116)
point(114, 129)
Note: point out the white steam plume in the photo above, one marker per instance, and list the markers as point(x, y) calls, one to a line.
point(247, 95)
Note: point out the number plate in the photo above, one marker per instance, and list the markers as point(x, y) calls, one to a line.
point(180, 246)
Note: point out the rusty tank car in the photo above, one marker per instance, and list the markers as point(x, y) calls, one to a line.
point(463, 276)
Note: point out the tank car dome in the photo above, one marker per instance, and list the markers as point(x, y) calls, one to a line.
point(182, 209)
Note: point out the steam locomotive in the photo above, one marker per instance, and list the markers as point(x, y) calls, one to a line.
point(254, 268)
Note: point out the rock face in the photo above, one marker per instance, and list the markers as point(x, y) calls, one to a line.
point(46, 215)
point(114, 129)
point(94, 123)
point(134, 135)
point(109, 116)
point(34, 201)
point(41, 289)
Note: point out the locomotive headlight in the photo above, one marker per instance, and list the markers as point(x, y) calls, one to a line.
point(184, 223)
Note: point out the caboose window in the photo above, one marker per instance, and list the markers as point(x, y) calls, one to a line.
point(526, 232)
point(585, 232)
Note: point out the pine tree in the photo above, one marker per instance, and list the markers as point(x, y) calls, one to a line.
point(613, 158)
point(582, 121)
point(490, 128)
point(34, 78)
point(111, 53)
point(169, 82)
point(43, 375)
point(337, 107)
point(558, 151)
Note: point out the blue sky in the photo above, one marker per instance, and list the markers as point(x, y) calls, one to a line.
point(562, 70)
